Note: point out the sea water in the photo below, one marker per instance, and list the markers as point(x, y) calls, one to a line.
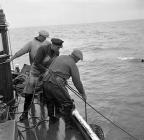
point(112, 72)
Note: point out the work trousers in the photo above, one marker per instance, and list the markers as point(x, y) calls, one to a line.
point(28, 102)
point(60, 96)
point(30, 87)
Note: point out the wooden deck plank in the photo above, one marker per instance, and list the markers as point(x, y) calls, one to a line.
point(8, 130)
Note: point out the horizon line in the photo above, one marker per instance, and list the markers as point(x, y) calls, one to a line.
point(36, 26)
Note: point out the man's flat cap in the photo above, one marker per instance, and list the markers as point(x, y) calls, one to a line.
point(77, 53)
point(44, 33)
point(57, 41)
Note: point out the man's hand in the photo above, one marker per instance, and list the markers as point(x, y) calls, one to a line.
point(8, 60)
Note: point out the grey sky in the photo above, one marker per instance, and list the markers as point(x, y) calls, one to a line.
point(46, 12)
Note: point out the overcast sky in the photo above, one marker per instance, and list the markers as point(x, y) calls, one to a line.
point(20, 13)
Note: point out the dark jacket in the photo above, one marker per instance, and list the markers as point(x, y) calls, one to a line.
point(44, 57)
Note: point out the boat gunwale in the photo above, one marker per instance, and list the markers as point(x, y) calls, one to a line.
point(85, 128)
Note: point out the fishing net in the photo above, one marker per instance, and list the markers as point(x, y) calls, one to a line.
point(4, 110)
point(98, 131)
point(19, 83)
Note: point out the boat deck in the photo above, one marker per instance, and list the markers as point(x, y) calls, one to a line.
point(37, 127)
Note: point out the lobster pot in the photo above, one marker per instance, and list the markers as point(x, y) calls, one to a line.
point(5, 69)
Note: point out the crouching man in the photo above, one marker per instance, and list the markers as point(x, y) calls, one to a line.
point(60, 70)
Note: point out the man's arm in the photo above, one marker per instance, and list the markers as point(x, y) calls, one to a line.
point(22, 51)
point(77, 82)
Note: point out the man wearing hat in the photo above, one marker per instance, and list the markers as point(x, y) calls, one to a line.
point(43, 58)
point(45, 54)
point(62, 68)
point(32, 46)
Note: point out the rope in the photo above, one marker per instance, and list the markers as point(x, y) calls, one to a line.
point(9, 41)
point(78, 94)
point(85, 111)
point(34, 126)
point(86, 103)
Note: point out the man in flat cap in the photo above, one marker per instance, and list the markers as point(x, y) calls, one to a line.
point(55, 90)
point(32, 46)
point(43, 58)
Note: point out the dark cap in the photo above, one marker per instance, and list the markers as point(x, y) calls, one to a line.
point(57, 41)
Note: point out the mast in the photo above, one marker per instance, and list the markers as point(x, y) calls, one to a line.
point(5, 69)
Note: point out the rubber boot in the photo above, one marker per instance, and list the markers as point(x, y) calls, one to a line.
point(67, 115)
point(27, 103)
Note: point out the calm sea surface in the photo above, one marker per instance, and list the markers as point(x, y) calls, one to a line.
point(111, 72)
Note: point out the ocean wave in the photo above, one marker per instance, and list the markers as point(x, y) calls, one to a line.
point(105, 47)
point(126, 58)
point(130, 58)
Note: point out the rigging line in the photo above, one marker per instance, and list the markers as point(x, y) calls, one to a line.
point(9, 41)
point(82, 99)
point(85, 111)
point(78, 94)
